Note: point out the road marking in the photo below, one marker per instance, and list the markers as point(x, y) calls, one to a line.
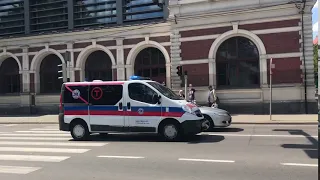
point(10, 125)
point(298, 164)
point(206, 160)
point(122, 157)
point(40, 132)
point(52, 150)
point(17, 169)
point(45, 129)
point(52, 143)
point(44, 135)
point(33, 158)
point(36, 138)
point(259, 135)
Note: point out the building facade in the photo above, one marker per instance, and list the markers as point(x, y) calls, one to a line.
point(227, 44)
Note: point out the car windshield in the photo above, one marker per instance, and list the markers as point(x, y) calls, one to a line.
point(165, 91)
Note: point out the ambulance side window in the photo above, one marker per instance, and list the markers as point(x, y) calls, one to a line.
point(76, 94)
point(141, 92)
point(105, 94)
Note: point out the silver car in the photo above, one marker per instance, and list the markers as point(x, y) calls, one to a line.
point(214, 117)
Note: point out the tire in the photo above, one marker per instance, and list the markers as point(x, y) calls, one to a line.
point(170, 131)
point(208, 124)
point(79, 131)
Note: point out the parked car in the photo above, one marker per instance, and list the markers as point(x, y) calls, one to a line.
point(214, 117)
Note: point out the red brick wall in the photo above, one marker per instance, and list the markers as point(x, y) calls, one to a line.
point(32, 83)
point(114, 74)
point(195, 49)
point(77, 76)
point(203, 32)
point(270, 25)
point(160, 39)
point(59, 46)
point(198, 74)
point(107, 43)
point(287, 70)
point(82, 45)
point(132, 41)
point(281, 42)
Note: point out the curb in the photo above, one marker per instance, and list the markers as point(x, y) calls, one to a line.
point(277, 123)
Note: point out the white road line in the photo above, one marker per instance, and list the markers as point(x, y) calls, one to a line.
point(36, 138)
point(44, 135)
point(45, 129)
point(41, 132)
point(84, 144)
point(299, 164)
point(9, 157)
point(10, 125)
point(52, 150)
point(17, 169)
point(258, 135)
point(206, 160)
point(122, 157)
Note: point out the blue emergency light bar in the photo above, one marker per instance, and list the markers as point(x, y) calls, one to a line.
point(138, 78)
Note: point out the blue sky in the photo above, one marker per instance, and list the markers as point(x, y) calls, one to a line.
point(315, 20)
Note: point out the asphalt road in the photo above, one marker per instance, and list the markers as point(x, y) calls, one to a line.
point(248, 152)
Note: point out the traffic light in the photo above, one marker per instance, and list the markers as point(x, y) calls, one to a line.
point(179, 70)
point(62, 72)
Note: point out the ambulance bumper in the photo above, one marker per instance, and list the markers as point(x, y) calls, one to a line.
point(191, 127)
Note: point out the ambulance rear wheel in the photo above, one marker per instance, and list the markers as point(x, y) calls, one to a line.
point(170, 131)
point(79, 131)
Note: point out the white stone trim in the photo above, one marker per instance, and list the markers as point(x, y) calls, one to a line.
point(139, 47)
point(284, 55)
point(82, 57)
point(199, 38)
point(244, 33)
point(277, 30)
point(36, 62)
point(258, 32)
point(254, 21)
point(4, 55)
point(196, 61)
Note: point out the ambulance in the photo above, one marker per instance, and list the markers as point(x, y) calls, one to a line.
point(138, 105)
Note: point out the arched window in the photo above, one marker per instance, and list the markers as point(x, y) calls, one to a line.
point(150, 62)
point(9, 76)
point(237, 64)
point(98, 67)
point(49, 82)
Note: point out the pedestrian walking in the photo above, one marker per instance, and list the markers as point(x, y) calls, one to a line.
point(191, 94)
point(181, 94)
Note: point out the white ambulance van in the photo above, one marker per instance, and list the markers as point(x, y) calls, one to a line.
point(137, 105)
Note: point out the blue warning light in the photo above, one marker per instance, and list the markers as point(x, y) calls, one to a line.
point(139, 78)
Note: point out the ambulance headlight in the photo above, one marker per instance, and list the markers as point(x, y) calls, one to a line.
point(188, 109)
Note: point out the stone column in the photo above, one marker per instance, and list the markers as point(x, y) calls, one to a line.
point(121, 76)
point(212, 72)
point(263, 71)
point(70, 63)
point(175, 59)
point(25, 97)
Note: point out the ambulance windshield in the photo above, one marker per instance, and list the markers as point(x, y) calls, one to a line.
point(165, 91)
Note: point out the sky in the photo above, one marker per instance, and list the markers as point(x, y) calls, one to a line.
point(315, 20)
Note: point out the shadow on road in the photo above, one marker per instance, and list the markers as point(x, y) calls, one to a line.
point(310, 149)
point(153, 138)
point(226, 130)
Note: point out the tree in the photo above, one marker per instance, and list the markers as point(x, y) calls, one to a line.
point(315, 63)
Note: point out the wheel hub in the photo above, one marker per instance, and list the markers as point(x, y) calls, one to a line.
point(170, 131)
point(79, 131)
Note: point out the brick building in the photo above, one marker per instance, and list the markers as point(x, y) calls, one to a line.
point(227, 44)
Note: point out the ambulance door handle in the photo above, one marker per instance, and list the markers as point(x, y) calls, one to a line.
point(128, 105)
point(120, 106)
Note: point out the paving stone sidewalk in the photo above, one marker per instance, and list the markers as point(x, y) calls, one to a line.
point(236, 119)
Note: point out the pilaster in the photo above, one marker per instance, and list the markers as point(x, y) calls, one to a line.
point(121, 76)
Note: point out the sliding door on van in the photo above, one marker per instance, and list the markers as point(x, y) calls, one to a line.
point(143, 115)
point(106, 107)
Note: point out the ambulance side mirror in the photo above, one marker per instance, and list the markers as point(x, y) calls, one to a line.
point(156, 99)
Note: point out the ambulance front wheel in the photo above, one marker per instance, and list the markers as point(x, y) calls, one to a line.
point(170, 131)
point(79, 130)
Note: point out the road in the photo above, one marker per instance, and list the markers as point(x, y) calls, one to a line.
point(250, 152)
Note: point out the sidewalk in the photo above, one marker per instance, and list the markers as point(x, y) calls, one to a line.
point(236, 119)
